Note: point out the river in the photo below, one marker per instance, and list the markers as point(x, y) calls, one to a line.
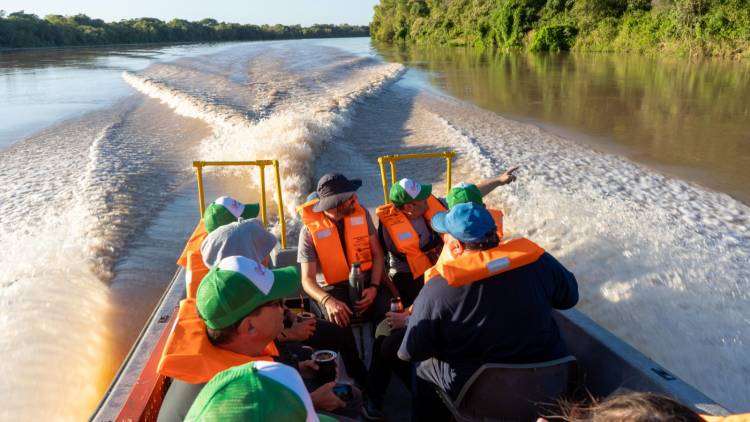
point(630, 170)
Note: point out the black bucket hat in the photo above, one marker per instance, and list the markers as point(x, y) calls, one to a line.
point(333, 189)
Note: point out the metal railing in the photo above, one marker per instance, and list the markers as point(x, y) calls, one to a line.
point(393, 159)
point(262, 165)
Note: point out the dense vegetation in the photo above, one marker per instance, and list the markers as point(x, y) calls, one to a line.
point(21, 29)
point(696, 27)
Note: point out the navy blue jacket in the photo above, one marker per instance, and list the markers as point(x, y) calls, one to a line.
point(505, 318)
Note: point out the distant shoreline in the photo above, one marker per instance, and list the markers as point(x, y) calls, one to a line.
point(156, 44)
point(19, 30)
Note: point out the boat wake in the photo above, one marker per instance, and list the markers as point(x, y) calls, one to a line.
point(300, 125)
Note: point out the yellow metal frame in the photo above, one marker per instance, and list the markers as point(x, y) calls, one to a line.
point(262, 165)
point(393, 159)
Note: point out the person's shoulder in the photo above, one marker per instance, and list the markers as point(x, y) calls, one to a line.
point(438, 288)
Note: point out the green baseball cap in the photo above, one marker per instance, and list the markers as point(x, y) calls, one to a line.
point(463, 193)
point(225, 210)
point(255, 392)
point(238, 285)
point(407, 190)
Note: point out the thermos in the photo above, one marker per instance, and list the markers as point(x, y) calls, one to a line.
point(356, 285)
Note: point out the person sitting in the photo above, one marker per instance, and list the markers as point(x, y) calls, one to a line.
point(233, 320)
point(417, 248)
point(255, 392)
point(412, 245)
point(222, 211)
point(492, 303)
point(338, 232)
point(250, 239)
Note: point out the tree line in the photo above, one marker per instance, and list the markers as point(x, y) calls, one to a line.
point(695, 27)
point(20, 29)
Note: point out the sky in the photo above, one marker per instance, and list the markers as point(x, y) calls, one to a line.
point(285, 12)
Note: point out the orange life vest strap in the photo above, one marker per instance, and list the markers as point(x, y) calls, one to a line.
point(476, 266)
point(194, 243)
point(497, 215)
point(190, 357)
point(434, 206)
point(194, 272)
point(404, 237)
point(325, 235)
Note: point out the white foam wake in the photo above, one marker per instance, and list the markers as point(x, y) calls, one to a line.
point(293, 135)
point(661, 262)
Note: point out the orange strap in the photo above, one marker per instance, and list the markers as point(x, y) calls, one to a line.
point(194, 243)
point(325, 235)
point(403, 235)
point(190, 357)
point(476, 266)
point(497, 215)
point(194, 273)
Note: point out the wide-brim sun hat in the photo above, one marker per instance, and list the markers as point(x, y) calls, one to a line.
point(333, 189)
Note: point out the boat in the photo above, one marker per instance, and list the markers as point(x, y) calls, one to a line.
point(604, 362)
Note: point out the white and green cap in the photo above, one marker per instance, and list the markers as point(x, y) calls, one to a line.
point(225, 210)
point(255, 392)
point(237, 286)
point(407, 190)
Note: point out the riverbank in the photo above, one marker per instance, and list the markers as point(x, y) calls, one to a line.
point(26, 30)
point(705, 28)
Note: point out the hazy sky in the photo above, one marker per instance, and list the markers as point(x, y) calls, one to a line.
point(287, 12)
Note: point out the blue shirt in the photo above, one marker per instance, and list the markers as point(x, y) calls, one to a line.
point(506, 318)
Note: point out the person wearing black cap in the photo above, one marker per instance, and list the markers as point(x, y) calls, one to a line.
point(338, 232)
point(511, 288)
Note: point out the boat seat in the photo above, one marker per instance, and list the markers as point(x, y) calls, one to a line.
point(512, 392)
point(284, 257)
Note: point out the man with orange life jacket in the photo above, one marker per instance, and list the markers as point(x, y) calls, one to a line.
point(491, 303)
point(413, 247)
point(233, 320)
point(250, 239)
point(337, 232)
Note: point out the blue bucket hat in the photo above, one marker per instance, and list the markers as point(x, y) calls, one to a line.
point(468, 222)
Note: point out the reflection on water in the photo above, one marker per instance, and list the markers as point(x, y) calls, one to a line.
point(688, 118)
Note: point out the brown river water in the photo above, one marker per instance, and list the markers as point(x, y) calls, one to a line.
point(636, 175)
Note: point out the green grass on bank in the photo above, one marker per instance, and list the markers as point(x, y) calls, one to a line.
point(22, 30)
point(683, 27)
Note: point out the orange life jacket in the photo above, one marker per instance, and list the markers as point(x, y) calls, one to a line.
point(194, 272)
point(497, 215)
point(403, 235)
point(190, 357)
point(194, 243)
point(476, 266)
point(325, 235)
point(445, 253)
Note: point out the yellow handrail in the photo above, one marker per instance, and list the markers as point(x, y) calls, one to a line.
point(392, 159)
point(261, 164)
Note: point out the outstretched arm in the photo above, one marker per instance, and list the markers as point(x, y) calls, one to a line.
point(488, 185)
